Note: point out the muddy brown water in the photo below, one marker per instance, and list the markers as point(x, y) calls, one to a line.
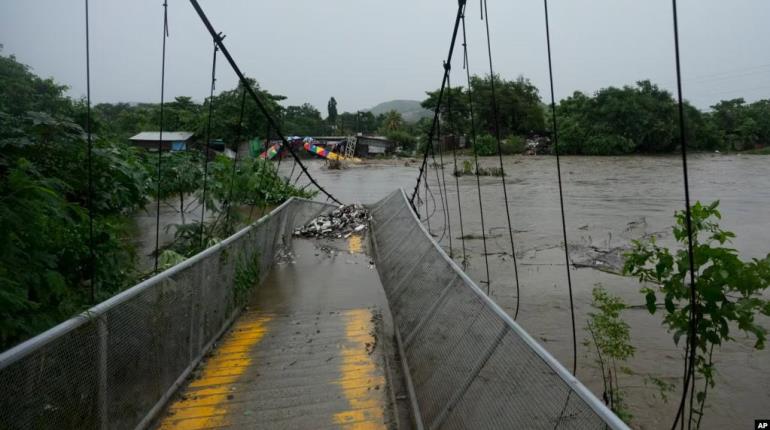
point(609, 201)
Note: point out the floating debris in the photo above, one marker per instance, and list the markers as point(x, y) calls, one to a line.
point(340, 223)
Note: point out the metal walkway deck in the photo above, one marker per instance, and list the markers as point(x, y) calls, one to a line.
point(304, 355)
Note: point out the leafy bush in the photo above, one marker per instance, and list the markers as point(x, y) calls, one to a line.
point(45, 255)
point(608, 145)
point(254, 183)
point(406, 141)
point(513, 145)
point(611, 338)
point(485, 145)
point(729, 291)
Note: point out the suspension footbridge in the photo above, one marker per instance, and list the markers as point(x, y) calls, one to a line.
point(265, 330)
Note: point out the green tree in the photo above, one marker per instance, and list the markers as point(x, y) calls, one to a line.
point(642, 118)
point(331, 109)
point(45, 258)
point(392, 121)
point(226, 114)
point(457, 100)
point(518, 104)
point(304, 120)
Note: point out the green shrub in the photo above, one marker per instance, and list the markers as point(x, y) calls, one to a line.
point(608, 145)
point(485, 145)
point(513, 145)
point(406, 141)
point(610, 337)
point(730, 292)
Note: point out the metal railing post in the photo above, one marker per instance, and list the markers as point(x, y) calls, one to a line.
point(103, 333)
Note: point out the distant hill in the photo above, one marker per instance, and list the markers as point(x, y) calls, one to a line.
point(410, 110)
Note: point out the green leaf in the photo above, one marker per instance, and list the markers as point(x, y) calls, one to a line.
point(650, 299)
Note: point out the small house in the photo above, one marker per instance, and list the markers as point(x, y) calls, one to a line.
point(370, 146)
point(171, 140)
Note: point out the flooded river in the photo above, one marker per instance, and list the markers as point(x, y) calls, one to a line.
point(609, 201)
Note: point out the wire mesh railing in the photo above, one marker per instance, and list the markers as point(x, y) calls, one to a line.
point(467, 363)
point(116, 365)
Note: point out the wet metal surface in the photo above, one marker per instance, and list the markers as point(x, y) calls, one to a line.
point(308, 353)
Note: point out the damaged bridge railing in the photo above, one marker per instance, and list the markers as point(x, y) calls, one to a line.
point(116, 365)
point(467, 363)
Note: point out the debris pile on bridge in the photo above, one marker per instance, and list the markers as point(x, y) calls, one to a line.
point(340, 223)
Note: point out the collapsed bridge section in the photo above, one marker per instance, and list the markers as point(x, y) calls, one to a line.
point(467, 363)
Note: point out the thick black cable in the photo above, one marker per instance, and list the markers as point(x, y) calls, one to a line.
point(445, 203)
point(460, 12)
point(208, 142)
point(453, 133)
point(239, 130)
point(496, 115)
point(92, 253)
point(475, 152)
point(291, 174)
point(690, 372)
point(160, 133)
point(555, 135)
point(428, 215)
point(254, 95)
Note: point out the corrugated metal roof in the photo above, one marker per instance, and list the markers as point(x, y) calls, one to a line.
point(168, 136)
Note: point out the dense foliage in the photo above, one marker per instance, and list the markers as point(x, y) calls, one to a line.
point(46, 269)
point(613, 121)
point(45, 258)
point(519, 106)
point(626, 120)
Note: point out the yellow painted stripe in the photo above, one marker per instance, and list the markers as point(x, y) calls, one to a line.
point(367, 409)
point(355, 244)
point(211, 411)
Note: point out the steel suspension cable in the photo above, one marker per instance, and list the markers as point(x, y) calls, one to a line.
point(555, 135)
point(460, 12)
point(453, 132)
point(467, 67)
point(445, 203)
point(291, 174)
point(92, 254)
point(689, 377)
point(428, 215)
point(496, 115)
point(160, 133)
point(208, 142)
point(255, 97)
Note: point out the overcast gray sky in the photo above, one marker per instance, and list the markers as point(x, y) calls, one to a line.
point(364, 52)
